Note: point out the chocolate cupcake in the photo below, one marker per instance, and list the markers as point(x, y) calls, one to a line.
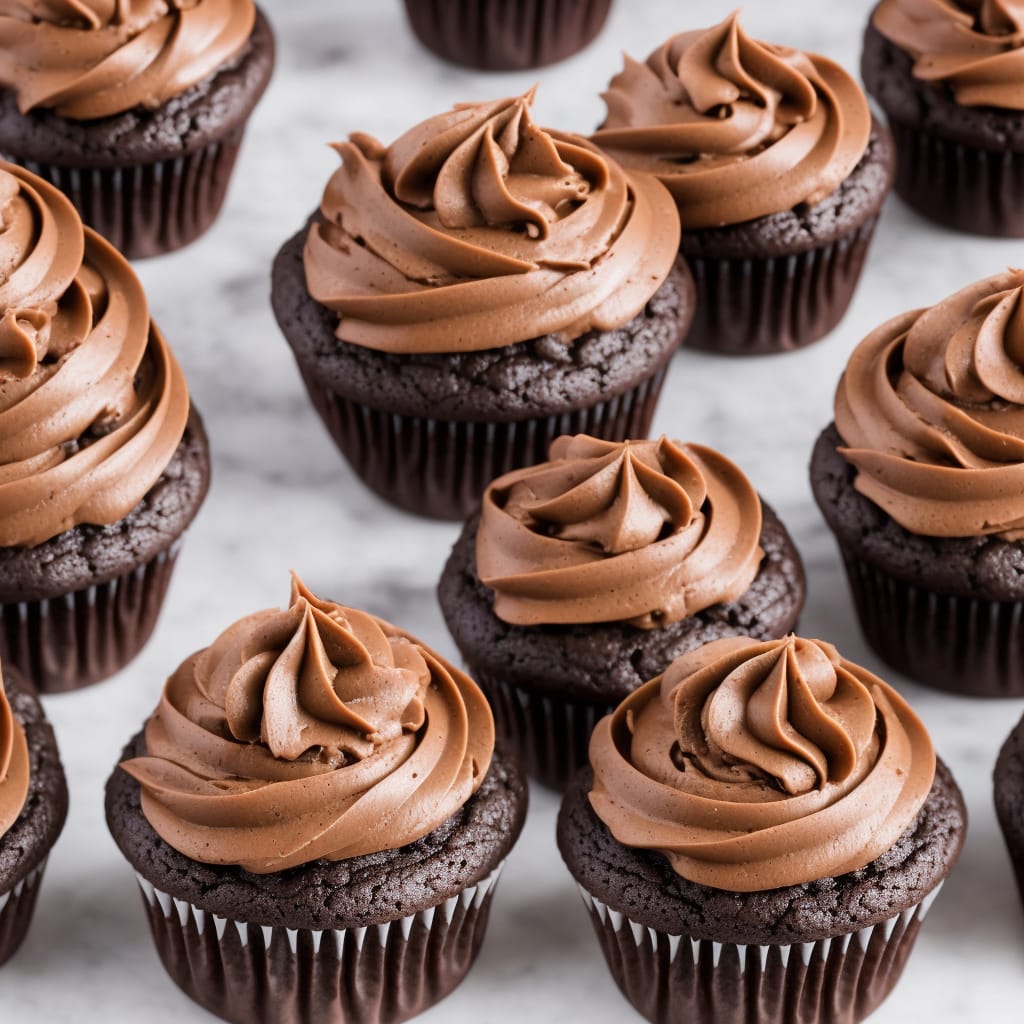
point(761, 834)
point(950, 77)
point(474, 290)
point(317, 817)
point(1008, 790)
point(135, 111)
point(779, 172)
point(583, 577)
point(102, 465)
point(921, 479)
point(33, 806)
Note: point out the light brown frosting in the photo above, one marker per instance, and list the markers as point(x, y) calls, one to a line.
point(755, 765)
point(646, 532)
point(94, 58)
point(14, 764)
point(736, 128)
point(477, 229)
point(92, 403)
point(317, 731)
point(931, 411)
point(976, 47)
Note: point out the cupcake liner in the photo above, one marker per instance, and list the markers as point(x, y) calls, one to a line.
point(440, 468)
point(69, 641)
point(16, 906)
point(506, 35)
point(381, 973)
point(961, 645)
point(759, 306)
point(837, 980)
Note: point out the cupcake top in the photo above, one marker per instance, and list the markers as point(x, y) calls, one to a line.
point(86, 59)
point(14, 764)
point(645, 532)
point(316, 731)
point(477, 229)
point(737, 129)
point(931, 413)
point(975, 47)
point(92, 403)
point(754, 765)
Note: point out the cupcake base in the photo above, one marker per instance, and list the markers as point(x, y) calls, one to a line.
point(1008, 792)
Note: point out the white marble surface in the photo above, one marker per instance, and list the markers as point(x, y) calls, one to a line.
point(282, 497)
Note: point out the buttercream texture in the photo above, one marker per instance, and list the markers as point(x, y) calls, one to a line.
point(14, 764)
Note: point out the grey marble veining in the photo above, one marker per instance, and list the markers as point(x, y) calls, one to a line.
point(282, 498)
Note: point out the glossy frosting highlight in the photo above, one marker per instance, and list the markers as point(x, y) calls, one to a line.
point(478, 229)
point(14, 764)
point(754, 765)
point(646, 532)
point(316, 731)
point(737, 129)
point(931, 411)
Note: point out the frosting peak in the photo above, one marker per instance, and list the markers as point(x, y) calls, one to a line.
point(14, 764)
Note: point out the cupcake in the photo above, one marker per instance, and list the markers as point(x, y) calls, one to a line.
point(136, 111)
point(472, 291)
point(761, 833)
point(584, 576)
point(921, 479)
point(949, 75)
point(317, 817)
point(506, 35)
point(102, 465)
point(779, 172)
point(33, 806)
point(1008, 789)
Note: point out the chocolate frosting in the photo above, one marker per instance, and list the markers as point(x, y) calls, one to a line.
point(92, 403)
point(754, 765)
point(737, 129)
point(316, 731)
point(931, 410)
point(95, 58)
point(646, 532)
point(477, 229)
point(975, 47)
point(14, 764)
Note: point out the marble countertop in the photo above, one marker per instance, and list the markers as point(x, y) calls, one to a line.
point(283, 498)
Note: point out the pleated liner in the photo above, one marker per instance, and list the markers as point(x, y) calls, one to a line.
point(675, 978)
point(959, 644)
point(16, 906)
point(67, 642)
point(253, 974)
point(440, 468)
point(761, 306)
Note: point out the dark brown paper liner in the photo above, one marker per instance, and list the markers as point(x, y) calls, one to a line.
point(959, 644)
point(979, 191)
point(506, 35)
point(440, 468)
point(254, 974)
point(148, 209)
point(67, 642)
point(762, 306)
point(16, 906)
point(675, 978)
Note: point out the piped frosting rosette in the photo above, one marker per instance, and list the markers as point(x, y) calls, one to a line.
point(477, 229)
point(88, 59)
point(645, 532)
point(316, 731)
point(14, 764)
point(92, 403)
point(975, 47)
point(931, 413)
point(755, 765)
point(737, 129)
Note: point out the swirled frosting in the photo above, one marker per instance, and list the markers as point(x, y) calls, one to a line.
point(737, 129)
point(14, 764)
point(316, 731)
point(645, 532)
point(931, 412)
point(477, 229)
point(975, 47)
point(95, 58)
point(92, 403)
point(754, 765)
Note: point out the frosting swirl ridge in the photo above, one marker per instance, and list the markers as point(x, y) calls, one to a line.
point(316, 731)
point(754, 765)
point(14, 764)
point(645, 532)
